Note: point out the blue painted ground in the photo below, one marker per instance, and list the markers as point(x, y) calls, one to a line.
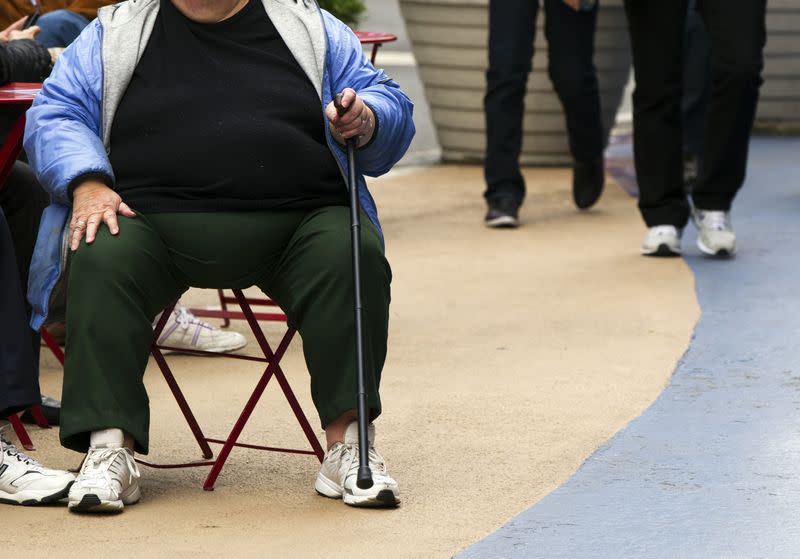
point(712, 469)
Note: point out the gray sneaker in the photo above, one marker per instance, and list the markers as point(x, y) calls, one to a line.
point(715, 233)
point(338, 473)
point(662, 240)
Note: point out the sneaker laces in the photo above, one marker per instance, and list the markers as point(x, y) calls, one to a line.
point(8, 449)
point(376, 462)
point(716, 220)
point(185, 319)
point(98, 462)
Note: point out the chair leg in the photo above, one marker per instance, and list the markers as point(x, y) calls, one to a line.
point(287, 391)
point(38, 416)
point(300, 415)
point(173, 384)
point(227, 321)
point(54, 347)
point(182, 403)
point(233, 437)
point(22, 434)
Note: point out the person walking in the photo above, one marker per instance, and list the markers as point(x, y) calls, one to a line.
point(569, 28)
point(736, 36)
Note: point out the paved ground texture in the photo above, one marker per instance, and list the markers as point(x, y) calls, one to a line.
point(712, 468)
point(513, 356)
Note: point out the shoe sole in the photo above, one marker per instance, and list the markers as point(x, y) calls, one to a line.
point(663, 250)
point(385, 498)
point(504, 222)
point(216, 349)
point(34, 501)
point(92, 503)
point(722, 253)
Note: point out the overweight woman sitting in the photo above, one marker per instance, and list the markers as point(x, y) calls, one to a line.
point(193, 143)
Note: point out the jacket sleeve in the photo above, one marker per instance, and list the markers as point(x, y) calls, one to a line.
point(349, 67)
point(23, 60)
point(62, 133)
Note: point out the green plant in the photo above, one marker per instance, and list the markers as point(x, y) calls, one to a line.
point(349, 11)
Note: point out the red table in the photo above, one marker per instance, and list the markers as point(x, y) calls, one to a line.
point(20, 95)
point(376, 40)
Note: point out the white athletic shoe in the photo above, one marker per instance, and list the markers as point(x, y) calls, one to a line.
point(337, 476)
point(24, 481)
point(109, 477)
point(715, 233)
point(184, 331)
point(662, 240)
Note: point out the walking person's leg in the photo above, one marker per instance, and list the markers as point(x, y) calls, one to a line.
point(570, 39)
point(313, 283)
point(736, 37)
point(512, 25)
point(657, 35)
point(696, 94)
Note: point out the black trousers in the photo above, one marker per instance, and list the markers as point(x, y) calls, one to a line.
point(736, 34)
point(696, 83)
point(22, 201)
point(570, 38)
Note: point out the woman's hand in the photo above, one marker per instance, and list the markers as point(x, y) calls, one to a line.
point(357, 122)
point(94, 203)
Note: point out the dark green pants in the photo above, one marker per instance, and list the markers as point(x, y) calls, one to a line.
point(300, 258)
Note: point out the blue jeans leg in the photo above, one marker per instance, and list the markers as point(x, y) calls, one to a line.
point(60, 28)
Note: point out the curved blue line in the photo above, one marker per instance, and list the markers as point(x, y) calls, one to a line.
point(712, 468)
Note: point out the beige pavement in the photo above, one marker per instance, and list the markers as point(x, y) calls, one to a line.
point(513, 355)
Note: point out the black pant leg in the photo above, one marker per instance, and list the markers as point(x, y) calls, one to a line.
point(656, 29)
point(512, 26)
point(19, 387)
point(696, 83)
point(22, 200)
point(570, 40)
point(737, 35)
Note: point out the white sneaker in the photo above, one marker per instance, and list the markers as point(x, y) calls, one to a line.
point(337, 476)
point(662, 240)
point(716, 236)
point(184, 331)
point(24, 481)
point(109, 477)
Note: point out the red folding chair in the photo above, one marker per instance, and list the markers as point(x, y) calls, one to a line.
point(273, 369)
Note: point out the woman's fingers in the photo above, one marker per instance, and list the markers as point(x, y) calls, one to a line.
point(88, 225)
point(125, 210)
point(92, 224)
point(77, 229)
point(110, 218)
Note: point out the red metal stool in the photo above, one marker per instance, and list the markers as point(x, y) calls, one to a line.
point(273, 370)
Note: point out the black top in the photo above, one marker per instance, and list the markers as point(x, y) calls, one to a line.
point(221, 117)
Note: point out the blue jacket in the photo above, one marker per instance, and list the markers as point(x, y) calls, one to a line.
point(68, 126)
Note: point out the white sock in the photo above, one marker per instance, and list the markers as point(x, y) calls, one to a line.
point(107, 438)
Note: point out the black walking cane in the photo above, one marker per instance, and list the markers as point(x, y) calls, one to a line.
point(364, 479)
